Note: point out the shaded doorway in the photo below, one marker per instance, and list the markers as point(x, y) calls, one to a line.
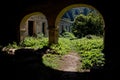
point(43, 28)
point(30, 28)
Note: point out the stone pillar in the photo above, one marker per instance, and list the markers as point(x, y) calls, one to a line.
point(53, 36)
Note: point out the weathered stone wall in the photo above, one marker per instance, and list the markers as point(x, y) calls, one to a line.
point(65, 25)
point(39, 24)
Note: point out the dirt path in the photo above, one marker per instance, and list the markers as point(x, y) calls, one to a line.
point(70, 62)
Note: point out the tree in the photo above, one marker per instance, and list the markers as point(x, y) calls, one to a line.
point(92, 23)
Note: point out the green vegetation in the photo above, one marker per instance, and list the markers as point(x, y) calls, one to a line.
point(86, 39)
point(52, 60)
point(91, 23)
point(90, 50)
point(34, 42)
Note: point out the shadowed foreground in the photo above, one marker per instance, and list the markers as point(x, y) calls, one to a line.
point(26, 64)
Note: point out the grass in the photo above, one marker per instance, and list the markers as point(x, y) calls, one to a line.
point(90, 50)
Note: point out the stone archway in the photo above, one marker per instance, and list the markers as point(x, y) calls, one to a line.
point(33, 24)
point(64, 10)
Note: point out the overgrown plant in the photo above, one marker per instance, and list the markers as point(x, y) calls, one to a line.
point(90, 50)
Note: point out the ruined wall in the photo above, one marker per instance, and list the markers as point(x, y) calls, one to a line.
point(37, 22)
point(65, 25)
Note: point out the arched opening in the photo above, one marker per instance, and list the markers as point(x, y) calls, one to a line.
point(66, 9)
point(88, 41)
point(33, 24)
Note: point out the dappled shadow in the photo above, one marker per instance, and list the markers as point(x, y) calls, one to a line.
point(26, 64)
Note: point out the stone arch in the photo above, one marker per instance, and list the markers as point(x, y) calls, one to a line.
point(58, 18)
point(39, 24)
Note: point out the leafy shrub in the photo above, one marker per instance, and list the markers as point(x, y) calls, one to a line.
point(92, 58)
point(34, 42)
point(63, 46)
point(68, 35)
point(40, 35)
point(51, 60)
point(90, 51)
point(12, 45)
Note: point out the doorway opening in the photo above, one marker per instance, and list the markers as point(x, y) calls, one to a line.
point(30, 28)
